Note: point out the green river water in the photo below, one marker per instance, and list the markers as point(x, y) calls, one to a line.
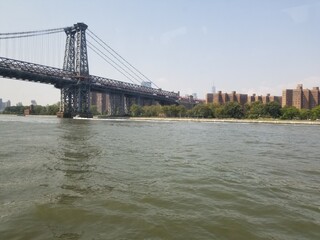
point(124, 179)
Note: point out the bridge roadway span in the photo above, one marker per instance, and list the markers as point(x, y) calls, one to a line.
point(20, 70)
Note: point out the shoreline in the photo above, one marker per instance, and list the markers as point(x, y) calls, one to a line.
point(228, 120)
point(205, 120)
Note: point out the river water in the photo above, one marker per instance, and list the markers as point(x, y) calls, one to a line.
point(80, 179)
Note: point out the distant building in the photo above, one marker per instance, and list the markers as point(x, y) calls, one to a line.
point(222, 98)
point(301, 98)
point(33, 103)
point(195, 96)
point(189, 102)
point(213, 89)
point(27, 111)
point(264, 99)
point(275, 99)
point(3, 104)
point(209, 97)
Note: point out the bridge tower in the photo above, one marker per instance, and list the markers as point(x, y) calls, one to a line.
point(75, 98)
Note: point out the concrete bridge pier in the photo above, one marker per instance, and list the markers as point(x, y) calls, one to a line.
point(116, 105)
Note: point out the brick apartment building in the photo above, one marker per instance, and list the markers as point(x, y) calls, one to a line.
point(301, 98)
point(222, 98)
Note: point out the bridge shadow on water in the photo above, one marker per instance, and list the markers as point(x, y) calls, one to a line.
point(75, 155)
point(70, 210)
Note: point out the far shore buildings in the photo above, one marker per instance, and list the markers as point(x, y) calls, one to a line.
point(3, 104)
point(301, 98)
point(222, 98)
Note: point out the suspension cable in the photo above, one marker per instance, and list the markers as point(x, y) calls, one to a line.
point(139, 77)
point(92, 45)
point(32, 32)
point(89, 45)
point(122, 57)
point(28, 35)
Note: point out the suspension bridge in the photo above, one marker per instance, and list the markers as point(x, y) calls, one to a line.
point(78, 88)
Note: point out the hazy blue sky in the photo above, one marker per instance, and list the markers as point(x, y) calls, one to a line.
point(250, 46)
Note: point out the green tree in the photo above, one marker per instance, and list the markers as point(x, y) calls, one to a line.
point(315, 112)
point(305, 114)
point(219, 112)
point(39, 110)
point(202, 111)
point(94, 110)
point(213, 107)
point(181, 111)
point(233, 110)
point(52, 109)
point(256, 110)
point(135, 110)
point(14, 110)
point(190, 113)
point(169, 110)
point(290, 113)
point(151, 111)
point(273, 109)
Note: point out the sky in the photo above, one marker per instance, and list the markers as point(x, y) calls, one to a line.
point(247, 46)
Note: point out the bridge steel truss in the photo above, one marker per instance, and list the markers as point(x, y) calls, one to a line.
point(75, 98)
point(69, 82)
point(76, 84)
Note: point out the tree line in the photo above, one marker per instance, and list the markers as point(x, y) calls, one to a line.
point(254, 110)
point(35, 110)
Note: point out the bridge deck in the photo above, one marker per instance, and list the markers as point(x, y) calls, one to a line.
point(15, 69)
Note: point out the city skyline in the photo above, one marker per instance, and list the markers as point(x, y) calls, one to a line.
point(185, 46)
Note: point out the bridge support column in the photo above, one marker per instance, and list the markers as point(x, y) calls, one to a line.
point(75, 100)
point(67, 102)
point(127, 105)
point(116, 105)
point(129, 101)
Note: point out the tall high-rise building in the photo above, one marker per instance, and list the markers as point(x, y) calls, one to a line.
point(314, 97)
point(213, 90)
point(3, 104)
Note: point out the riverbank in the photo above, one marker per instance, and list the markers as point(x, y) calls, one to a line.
point(268, 121)
point(227, 120)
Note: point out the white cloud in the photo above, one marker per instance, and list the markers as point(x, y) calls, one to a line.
point(170, 35)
